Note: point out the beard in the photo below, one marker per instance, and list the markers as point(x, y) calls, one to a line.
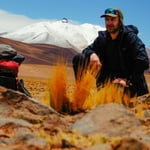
point(112, 28)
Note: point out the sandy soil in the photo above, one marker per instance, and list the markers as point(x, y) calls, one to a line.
point(42, 72)
point(37, 77)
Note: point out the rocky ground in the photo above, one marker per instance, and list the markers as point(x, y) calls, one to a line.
point(31, 124)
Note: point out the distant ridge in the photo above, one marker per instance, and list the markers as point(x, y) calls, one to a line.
point(67, 35)
point(45, 54)
point(40, 53)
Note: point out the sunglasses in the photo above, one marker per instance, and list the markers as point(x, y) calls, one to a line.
point(112, 11)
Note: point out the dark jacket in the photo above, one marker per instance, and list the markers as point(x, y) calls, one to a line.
point(124, 57)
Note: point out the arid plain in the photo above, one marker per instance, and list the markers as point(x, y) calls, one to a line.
point(37, 77)
point(39, 64)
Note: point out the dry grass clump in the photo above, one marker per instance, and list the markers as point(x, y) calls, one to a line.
point(107, 94)
point(76, 140)
point(83, 88)
point(85, 94)
point(58, 88)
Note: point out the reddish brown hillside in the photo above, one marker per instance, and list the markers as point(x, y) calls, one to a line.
point(40, 53)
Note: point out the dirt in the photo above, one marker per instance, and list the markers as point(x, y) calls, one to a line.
point(37, 78)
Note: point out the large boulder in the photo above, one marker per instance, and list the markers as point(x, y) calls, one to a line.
point(112, 120)
point(22, 119)
point(28, 124)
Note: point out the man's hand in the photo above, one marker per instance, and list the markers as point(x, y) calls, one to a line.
point(121, 81)
point(95, 61)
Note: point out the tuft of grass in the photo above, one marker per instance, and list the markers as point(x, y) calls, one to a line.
point(86, 82)
point(85, 94)
point(58, 88)
point(82, 91)
point(76, 139)
point(107, 94)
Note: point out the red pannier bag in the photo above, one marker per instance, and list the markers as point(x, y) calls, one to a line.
point(9, 66)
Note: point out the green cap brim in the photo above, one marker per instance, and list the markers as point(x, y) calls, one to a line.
point(111, 15)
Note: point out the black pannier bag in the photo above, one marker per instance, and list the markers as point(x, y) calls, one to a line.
point(10, 61)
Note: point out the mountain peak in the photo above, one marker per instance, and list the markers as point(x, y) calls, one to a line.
point(67, 35)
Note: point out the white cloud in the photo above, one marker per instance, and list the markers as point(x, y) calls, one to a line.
point(10, 22)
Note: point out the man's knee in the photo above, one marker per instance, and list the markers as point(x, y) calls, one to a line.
point(77, 59)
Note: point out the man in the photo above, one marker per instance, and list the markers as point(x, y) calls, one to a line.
point(120, 54)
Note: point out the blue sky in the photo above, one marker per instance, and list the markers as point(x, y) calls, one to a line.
point(135, 12)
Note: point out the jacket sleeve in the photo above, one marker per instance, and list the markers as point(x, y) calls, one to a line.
point(97, 46)
point(139, 55)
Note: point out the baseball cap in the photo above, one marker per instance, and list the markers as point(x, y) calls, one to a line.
point(113, 12)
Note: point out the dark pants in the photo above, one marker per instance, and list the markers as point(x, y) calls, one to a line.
point(80, 64)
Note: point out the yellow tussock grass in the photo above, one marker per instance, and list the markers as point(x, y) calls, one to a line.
point(107, 94)
point(85, 95)
point(58, 87)
point(85, 83)
point(82, 90)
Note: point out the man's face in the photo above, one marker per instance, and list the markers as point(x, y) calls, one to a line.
point(112, 24)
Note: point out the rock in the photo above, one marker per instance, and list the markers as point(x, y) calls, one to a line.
point(131, 144)
point(21, 120)
point(146, 113)
point(14, 131)
point(101, 146)
point(114, 120)
point(18, 105)
point(110, 119)
point(27, 124)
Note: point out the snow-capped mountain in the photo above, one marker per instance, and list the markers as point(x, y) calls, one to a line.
point(63, 34)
